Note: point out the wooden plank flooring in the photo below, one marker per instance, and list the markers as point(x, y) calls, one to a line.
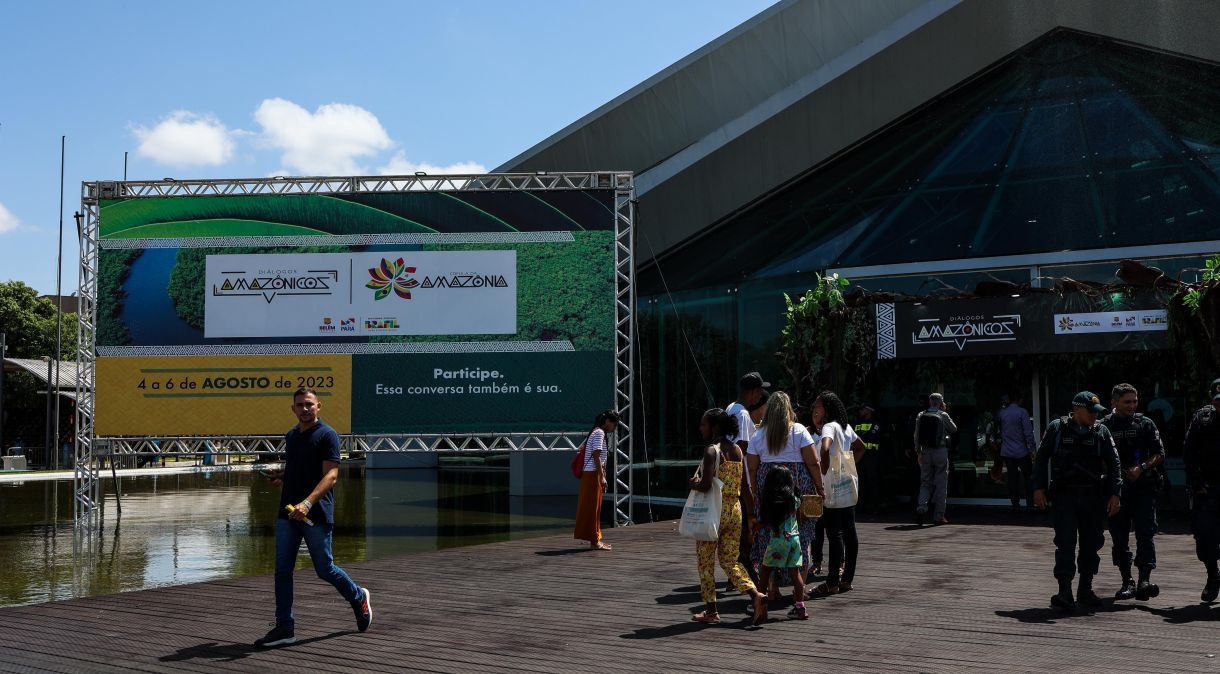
point(964, 597)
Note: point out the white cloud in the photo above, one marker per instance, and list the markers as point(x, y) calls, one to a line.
point(185, 139)
point(8, 221)
point(399, 166)
point(328, 141)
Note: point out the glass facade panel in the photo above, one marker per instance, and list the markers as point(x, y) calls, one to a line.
point(1075, 142)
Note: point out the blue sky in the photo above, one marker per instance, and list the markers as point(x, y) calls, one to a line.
point(239, 89)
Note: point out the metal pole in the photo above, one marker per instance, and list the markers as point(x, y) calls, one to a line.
point(124, 166)
point(59, 299)
point(51, 457)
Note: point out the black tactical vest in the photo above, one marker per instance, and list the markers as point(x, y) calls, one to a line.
point(1134, 444)
point(1077, 459)
point(1208, 430)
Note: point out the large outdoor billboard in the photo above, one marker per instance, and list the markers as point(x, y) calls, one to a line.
point(411, 312)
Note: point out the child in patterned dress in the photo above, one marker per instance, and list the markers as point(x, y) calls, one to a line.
point(779, 505)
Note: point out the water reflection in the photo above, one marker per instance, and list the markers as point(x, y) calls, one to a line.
point(193, 527)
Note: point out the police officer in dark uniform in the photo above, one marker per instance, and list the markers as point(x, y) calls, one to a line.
point(869, 465)
point(1202, 455)
point(1078, 465)
point(1140, 455)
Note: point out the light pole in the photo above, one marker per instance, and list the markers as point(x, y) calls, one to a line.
point(52, 457)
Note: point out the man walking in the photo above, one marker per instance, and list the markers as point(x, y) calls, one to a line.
point(932, 429)
point(750, 391)
point(1017, 447)
point(1202, 456)
point(1078, 465)
point(306, 512)
point(1140, 455)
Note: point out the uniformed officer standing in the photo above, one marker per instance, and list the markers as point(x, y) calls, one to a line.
point(869, 465)
point(1202, 455)
point(1078, 464)
point(1140, 455)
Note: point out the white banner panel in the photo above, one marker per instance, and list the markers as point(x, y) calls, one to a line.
point(361, 294)
point(1112, 321)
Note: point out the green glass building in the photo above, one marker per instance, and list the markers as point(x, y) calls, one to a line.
point(916, 148)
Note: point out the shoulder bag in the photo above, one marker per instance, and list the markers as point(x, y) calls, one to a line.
point(701, 514)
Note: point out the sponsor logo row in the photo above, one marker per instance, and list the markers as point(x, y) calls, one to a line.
point(354, 326)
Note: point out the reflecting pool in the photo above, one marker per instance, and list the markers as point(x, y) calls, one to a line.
point(185, 528)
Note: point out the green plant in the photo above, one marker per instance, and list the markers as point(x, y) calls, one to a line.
point(1194, 296)
point(805, 341)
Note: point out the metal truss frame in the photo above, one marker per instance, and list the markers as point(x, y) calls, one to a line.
point(89, 448)
point(86, 510)
point(274, 444)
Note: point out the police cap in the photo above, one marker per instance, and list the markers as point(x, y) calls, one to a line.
point(1090, 400)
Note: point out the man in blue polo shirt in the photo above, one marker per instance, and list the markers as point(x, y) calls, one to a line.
point(307, 512)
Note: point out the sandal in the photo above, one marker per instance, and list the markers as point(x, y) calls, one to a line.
point(824, 590)
point(706, 617)
point(760, 609)
point(603, 546)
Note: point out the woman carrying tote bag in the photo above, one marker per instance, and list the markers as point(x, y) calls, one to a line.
point(723, 461)
point(838, 445)
point(782, 441)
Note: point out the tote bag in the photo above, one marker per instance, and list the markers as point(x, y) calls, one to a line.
point(842, 483)
point(701, 514)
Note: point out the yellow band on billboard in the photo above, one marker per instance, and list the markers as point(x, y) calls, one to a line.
point(217, 395)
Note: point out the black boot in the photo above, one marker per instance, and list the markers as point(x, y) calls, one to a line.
point(1146, 589)
point(1064, 600)
point(1212, 589)
point(1085, 594)
point(1127, 591)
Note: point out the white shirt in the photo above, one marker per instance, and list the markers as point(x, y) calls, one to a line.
point(841, 437)
point(798, 437)
point(745, 424)
point(595, 443)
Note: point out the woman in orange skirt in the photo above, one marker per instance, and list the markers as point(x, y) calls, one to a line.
point(593, 481)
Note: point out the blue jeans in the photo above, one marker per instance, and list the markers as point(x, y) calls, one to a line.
point(288, 536)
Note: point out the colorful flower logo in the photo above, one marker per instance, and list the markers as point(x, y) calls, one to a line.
point(392, 275)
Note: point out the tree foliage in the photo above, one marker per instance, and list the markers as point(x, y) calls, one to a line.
point(28, 322)
point(114, 266)
point(825, 343)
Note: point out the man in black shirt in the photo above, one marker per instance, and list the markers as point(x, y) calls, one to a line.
point(1140, 455)
point(307, 512)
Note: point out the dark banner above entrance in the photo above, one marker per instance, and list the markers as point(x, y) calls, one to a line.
point(1028, 324)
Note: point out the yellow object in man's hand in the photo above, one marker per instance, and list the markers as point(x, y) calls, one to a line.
point(290, 509)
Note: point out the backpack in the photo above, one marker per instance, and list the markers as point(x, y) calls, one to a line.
point(931, 429)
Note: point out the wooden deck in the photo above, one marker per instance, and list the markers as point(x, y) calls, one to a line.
point(969, 597)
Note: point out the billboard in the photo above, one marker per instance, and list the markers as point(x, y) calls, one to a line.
point(410, 312)
point(1028, 324)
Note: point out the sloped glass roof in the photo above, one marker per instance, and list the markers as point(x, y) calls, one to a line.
point(1074, 142)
